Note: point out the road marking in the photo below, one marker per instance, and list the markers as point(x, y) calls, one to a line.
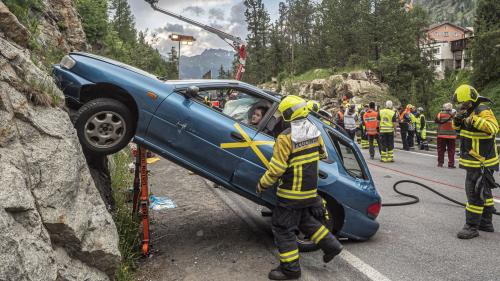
point(496, 200)
point(365, 269)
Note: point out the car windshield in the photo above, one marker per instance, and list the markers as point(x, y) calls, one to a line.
point(239, 108)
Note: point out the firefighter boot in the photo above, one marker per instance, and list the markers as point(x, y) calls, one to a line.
point(278, 274)
point(486, 220)
point(468, 232)
point(333, 245)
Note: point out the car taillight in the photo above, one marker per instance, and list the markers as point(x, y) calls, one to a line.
point(373, 210)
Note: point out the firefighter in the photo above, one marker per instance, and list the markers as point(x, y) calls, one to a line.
point(387, 124)
point(421, 129)
point(412, 126)
point(294, 165)
point(371, 125)
point(364, 136)
point(446, 135)
point(404, 121)
point(350, 121)
point(478, 156)
point(340, 117)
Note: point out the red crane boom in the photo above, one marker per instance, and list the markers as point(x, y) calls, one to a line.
point(237, 43)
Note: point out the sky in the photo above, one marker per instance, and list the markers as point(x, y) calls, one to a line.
point(227, 15)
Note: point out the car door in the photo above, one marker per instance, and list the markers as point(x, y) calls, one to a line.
point(200, 135)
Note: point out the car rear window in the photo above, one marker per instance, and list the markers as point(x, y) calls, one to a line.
point(347, 156)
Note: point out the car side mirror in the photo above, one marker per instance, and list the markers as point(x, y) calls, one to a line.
point(191, 92)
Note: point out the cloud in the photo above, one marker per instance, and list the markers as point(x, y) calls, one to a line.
point(171, 28)
point(216, 13)
point(195, 10)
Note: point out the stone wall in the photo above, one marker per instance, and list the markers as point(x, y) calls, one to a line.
point(54, 224)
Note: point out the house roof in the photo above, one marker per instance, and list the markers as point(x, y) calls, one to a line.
point(435, 25)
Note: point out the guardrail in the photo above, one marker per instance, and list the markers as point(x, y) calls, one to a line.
point(432, 137)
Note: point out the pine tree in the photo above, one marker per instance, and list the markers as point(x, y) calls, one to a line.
point(258, 22)
point(486, 45)
point(123, 20)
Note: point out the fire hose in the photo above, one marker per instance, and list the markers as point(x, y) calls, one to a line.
point(415, 199)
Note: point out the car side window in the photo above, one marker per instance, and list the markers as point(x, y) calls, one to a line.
point(236, 104)
point(347, 156)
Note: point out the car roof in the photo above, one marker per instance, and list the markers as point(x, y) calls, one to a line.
point(221, 82)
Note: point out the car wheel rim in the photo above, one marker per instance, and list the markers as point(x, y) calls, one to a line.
point(105, 129)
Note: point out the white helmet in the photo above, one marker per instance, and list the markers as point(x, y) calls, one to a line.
point(447, 106)
point(388, 104)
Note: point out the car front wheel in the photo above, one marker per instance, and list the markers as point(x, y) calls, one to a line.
point(104, 126)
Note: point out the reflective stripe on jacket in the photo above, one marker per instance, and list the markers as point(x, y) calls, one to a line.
point(295, 165)
point(387, 117)
point(477, 143)
point(371, 122)
point(445, 127)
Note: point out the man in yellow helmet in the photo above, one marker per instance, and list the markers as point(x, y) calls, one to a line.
point(478, 156)
point(295, 165)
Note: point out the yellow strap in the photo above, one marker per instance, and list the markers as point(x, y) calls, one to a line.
point(249, 143)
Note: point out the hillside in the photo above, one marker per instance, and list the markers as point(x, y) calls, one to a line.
point(210, 59)
point(457, 12)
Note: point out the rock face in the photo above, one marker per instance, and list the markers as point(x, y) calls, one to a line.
point(360, 86)
point(54, 224)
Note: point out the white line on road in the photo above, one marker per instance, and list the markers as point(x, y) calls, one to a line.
point(368, 271)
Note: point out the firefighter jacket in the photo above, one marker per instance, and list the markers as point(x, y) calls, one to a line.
point(387, 117)
point(413, 122)
point(295, 166)
point(477, 140)
point(445, 125)
point(371, 122)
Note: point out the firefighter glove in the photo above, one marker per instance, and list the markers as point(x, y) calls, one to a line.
point(318, 212)
point(468, 122)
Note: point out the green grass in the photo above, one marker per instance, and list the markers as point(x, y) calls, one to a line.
point(126, 223)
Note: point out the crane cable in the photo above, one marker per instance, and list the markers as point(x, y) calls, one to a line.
point(415, 199)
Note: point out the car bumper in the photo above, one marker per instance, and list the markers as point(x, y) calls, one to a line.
point(70, 83)
point(358, 226)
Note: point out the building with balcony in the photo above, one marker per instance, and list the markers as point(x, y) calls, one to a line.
point(448, 45)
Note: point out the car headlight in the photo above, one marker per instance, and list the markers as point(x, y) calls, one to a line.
point(67, 62)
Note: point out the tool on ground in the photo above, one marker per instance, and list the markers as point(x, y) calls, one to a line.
point(238, 44)
point(141, 196)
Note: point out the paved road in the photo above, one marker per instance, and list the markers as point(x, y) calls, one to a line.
point(414, 242)
point(418, 242)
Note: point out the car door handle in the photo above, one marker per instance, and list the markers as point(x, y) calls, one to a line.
point(322, 174)
point(236, 136)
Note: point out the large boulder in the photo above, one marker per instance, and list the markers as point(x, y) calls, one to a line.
point(54, 224)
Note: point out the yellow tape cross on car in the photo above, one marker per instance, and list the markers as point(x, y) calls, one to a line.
point(249, 143)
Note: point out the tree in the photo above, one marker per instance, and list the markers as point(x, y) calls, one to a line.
point(486, 44)
point(258, 22)
point(94, 16)
point(123, 20)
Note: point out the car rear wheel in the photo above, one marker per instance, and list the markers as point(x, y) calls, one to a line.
point(332, 221)
point(104, 126)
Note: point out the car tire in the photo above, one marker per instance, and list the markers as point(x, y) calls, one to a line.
point(104, 126)
point(306, 245)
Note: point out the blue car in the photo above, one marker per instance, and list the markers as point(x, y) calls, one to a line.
point(223, 130)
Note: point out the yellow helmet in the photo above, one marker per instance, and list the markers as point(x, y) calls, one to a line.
point(313, 105)
point(293, 107)
point(465, 93)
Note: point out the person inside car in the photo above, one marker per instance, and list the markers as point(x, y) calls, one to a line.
point(257, 115)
